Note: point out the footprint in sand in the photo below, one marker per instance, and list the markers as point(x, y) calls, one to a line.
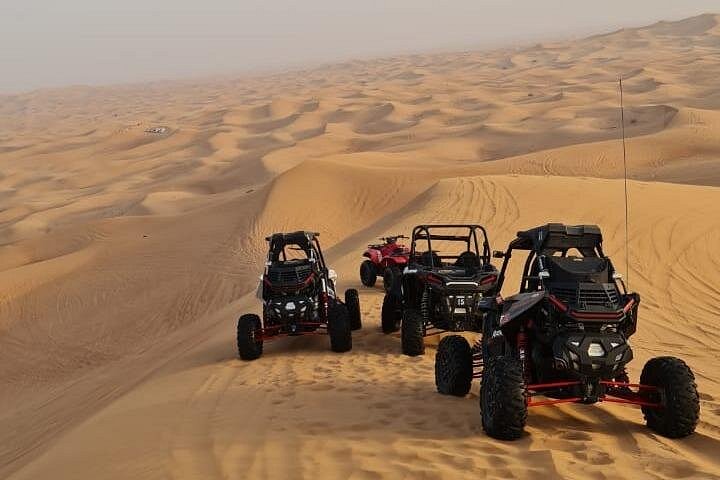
point(360, 427)
point(322, 387)
point(599, 458)
point(315, 427)
point(456, 426)
point(495, 460)
point(575, 435)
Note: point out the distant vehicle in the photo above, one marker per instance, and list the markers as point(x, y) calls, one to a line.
point(440, 290)
point(297, 290)
point(387, 258)
point(157, 130)
point(564, 335)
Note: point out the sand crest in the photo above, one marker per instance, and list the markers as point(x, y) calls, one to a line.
point(126, 257)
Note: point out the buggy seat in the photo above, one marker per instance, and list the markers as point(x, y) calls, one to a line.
point(468, 260)
point(430, 258)
point(289, 273)
point(579, 269)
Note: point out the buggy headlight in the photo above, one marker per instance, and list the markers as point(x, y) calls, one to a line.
point(596, 350)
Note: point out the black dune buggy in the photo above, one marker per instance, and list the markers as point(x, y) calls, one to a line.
point(564, 336)
point(298, 295)
point(440, 291)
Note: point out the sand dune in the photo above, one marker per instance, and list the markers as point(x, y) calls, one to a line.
point(125, 257)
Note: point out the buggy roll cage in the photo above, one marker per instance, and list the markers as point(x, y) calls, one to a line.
point(422, 232)
point(548, 240)
point(307, 241)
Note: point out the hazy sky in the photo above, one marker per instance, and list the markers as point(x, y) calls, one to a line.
point(54, 42)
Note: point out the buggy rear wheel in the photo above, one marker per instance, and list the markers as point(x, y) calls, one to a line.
point(368, 273)
point(338, 327)
point(453, 366)
point(391, 278)
point(503, 405)
point(249, 337)
point(391, 314)
point(352, 302)
point(677, 393)
point(412, 333)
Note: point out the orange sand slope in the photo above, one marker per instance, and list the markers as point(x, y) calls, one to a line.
point(126, 256)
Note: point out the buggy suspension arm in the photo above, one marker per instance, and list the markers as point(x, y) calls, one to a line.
point(614, 395)
point(271, 333)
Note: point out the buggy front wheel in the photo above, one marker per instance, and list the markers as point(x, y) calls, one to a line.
point(412, 333)
point(352, 302)
point(249, 337)
point(391, 313)
point(453, 366)
point(338, 327)
point(677, 394)
point(503, 403)
point(391, 278)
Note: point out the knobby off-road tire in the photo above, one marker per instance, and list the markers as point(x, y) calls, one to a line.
point(391, 314)
point(489, 326)
point(391, 277)
point(412, 333)
point(352, 302)
point(503, 404)
point(249, 337)
point(453, 366)
point(677, 393)
point(368, 273)
point(426, 307)
point(339, 328)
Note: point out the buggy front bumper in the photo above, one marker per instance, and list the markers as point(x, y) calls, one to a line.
point(591, 354)
point(291, 313)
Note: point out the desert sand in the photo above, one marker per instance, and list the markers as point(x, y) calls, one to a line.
point(126, 256)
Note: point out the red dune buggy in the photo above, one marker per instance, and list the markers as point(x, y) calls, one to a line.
point(387, 258)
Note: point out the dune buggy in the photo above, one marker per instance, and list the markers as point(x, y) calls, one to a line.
point(297, 290)
point(564, 336)
point(387, 258)
point(443, 287)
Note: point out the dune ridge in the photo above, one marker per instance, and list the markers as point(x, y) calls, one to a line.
point(126, 255)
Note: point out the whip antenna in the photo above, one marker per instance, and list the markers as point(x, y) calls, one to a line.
point(622, 123)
